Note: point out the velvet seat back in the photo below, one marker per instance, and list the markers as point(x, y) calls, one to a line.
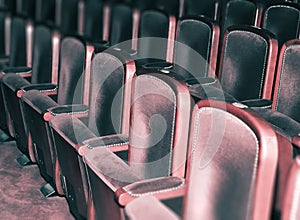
point(286, 92)
point(109, 103)
point(121, 25)
point(225, 170)
point(240, 12)
point(41, 73)
point(71, 73)
point(154, 127)
point(106, 94)
point(195, 53)
point(18, 42)
point(42, 55)
point(283, 21)
point(66, 15)
point(248, 61)
point(93, 19)
point(153, 35)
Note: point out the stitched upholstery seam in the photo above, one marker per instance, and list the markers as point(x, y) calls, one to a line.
point(154, 192)
point(69, 113)
point(107, 146)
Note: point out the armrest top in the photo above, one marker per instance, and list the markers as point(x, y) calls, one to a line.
point(18, 69)
point(41, 87)
point(154, 186)
point(107, 141)
point(69, 109)
point(258, 103)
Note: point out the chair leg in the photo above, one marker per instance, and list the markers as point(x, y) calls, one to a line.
point(48, 191)
point(24, 161)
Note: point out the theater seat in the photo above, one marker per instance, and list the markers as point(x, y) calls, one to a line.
point(283, 21)
point(248, 62)
point(154, 36)
point(20, 56)
point(231, 168)
point(74, 61)
point(285, 110)
point(195, 50)
point(156, 147)
point(109, 107)
point(44, 70)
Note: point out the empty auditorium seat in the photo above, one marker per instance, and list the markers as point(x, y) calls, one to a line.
point(228, 177)
point(66, 15)
point(74, 62)
point(20, 55)
point(286, 90)
point(247, 63)
point(44, 70)
point(241, 12)
point(109, 106)
point(195, 50)
point(284, 113)
point(158, 133)
point(90, 18)
point(154, 37)
point(121, 25)
point(283, 21)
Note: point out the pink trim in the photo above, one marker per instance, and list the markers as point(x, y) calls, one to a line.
point(130, 72)
point(171, 39)
point(47, 116)
point(214, 50)
point(55, 57)
point(135, 28)
point(29, 42)
point(87, 73)
point(31, 149)
point(106, 22)
point(7, 34)
point(81, 17)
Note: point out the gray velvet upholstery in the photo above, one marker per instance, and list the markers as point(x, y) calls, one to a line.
point(153, 35)
point(195, 52)
point(66, 13)
point(286, 91)
point(283, 21)
point(248, 60)
point(36, 104)
point(40, 73)
point(225, 167)
point(159, 105)
point(109, 86)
